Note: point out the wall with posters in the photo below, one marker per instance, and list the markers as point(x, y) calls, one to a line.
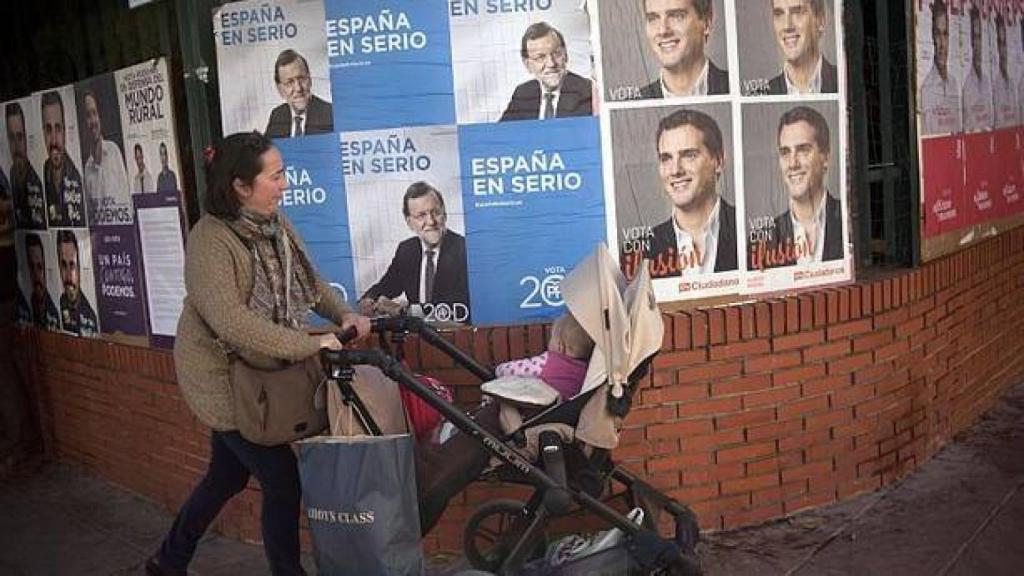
point(970, 70)
point(489, 145)
point(87, 165)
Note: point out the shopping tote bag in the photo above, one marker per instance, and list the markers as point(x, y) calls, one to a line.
point(360, 499)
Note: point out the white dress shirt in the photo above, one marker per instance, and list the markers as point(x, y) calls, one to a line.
point(940, 103)
point(700, 87)
point(686, 249)
point(800, 234)
point(813, 88)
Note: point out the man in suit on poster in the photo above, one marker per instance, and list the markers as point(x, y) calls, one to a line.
point(76, 314)
point(26, 189)
point(799, 26)
point(302, 112)
point(430, 267)
point(43, 311)
point(65, 196)
point(677, 33)
point(700, 236)
point(812, 229)
point(555, 92)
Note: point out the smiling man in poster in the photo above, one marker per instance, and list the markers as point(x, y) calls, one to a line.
point(799, 26)
point(1002, 90)
point(940, 93)
point(429, 268)
point(977, 90)
point(700, 236)
point(302, 112)
point(811, 230)
point(65, 198)
point(677, 34)
point(27, 190)
point(105, 177)
point(76, 314)
point(555, 91)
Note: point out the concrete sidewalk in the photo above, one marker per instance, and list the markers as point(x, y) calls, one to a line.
point(960, 513)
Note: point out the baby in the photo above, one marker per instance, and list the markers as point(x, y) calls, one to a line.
point(564, 365)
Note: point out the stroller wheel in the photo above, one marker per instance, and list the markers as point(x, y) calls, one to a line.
point(493, 531)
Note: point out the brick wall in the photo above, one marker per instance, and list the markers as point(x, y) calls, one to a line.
point(752, 412)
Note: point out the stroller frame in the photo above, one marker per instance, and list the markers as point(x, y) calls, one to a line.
point(553, 495)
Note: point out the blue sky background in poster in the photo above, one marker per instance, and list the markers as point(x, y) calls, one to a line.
point(119, 287)
point(390, 63)
point(315, 203)
point(534, 204)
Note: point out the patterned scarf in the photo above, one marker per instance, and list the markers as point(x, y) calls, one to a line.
point(282, 291)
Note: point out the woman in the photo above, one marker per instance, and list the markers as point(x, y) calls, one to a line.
point(250, 286)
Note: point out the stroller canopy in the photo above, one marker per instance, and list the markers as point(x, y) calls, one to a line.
point(622, 318)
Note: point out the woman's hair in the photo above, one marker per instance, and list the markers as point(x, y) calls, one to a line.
point(236, 156)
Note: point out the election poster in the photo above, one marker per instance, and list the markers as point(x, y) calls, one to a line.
point(272, 61)
point(507, 54)
point(104, 174)
point(642, 49)
point(796, 215)
point(409, 237)
point(61, 159)
point(970, 55)
point(120, 290)
point(390, 63)
point(77, 300)
point(144, 94)
point(38, 281)
point(315, 203)
point(534, 208)
point(940, 67)
point(673, 168)
point(160, 224)
point(24, 149)
point(724, 145)
point(789, 48)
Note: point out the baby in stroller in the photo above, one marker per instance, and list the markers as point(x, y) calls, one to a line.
point(445, 468)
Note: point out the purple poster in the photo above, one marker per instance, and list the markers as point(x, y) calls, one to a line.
point(119, 286)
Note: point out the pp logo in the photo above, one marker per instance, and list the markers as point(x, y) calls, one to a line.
point(543, 290)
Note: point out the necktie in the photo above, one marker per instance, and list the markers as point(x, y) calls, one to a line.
point(428, 277)
point(549, 105)
point(298, 125)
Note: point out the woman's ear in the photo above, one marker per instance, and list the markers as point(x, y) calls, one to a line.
point(241, 188)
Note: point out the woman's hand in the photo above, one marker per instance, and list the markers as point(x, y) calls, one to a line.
point(330, 342)
point(361, 323)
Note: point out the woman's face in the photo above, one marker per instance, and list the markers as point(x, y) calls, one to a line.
point(267, 188)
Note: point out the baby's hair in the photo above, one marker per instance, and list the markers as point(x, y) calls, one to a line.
point(577, 343)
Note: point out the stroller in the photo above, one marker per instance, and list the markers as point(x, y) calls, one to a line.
point(572, 440)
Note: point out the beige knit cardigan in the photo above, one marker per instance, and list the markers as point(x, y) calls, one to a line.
point(218, 282)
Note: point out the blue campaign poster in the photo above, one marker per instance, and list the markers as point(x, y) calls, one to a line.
point(315, 203)
point(534, 203)
point(390, 63)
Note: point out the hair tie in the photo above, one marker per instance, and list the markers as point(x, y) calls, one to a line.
point(209, 152)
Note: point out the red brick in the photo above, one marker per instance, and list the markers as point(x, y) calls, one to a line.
point(850, 363)
point(827, 351)
point(824, 385)
point(688, 393)
point(732, 324)
point(829, 419)
point(699, 325)
point(710, 442)
point(745, 452)
point(710, 407)
point(716, 326)
point(852, 395)
point(891, 351)
point(681, 337)
point(775, 430)
point(740, 349)
point(710, 371)
point(771, 397)
point(803, 407)
point(770, 362)
point(749, 484)
point(806, 470)
point(800, 340)
point(848, 329)
point(792, 315)
point(744, 419)
point(873, 340)
point(741, 385)
point(680, 358)
point(748, 323)
point(680, 428)
point(797, 375)
point(679, 462)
